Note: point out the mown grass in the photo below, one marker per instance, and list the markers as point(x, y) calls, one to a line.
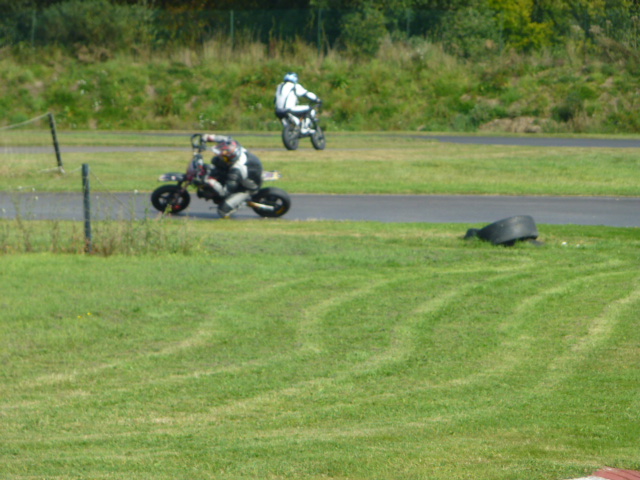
point(315, 350)
point(352, 163)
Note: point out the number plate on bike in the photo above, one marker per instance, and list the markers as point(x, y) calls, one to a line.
point(274, 175)
point(171, 177)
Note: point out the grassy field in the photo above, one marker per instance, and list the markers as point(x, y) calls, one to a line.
point(320, 350)
point(323, 350)
point(352, 163)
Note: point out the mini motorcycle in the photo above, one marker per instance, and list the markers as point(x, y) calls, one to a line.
point(173, 199)
point(292, 129)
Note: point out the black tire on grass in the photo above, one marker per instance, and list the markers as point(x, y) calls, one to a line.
point(471, 233)
point(509, 230)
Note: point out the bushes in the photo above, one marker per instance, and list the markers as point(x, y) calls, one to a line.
point(362, 31)
point(471, 32)
point(93, 24)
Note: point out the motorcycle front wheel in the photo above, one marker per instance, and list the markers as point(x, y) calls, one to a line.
point(318, 139)
point(277, 199)
point(291, 136)
point(170, 199)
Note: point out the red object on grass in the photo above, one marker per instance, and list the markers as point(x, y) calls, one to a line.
point(617, 474)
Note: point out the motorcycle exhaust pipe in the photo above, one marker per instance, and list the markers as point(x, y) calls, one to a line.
point(261, 206)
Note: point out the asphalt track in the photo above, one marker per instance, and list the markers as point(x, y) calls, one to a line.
point(472, 210)
point(463, 209)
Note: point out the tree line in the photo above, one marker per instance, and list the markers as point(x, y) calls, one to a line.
point(467, 28)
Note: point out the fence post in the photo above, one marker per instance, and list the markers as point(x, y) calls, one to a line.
point(319, 31)
point(33, 28)
point(86, 190)
point(56, 145)
point(231, 26)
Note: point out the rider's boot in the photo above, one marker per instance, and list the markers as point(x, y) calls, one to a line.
point(232, 203)
point(304, 126)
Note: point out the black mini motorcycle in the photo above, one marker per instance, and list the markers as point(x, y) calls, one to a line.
point(173, 199)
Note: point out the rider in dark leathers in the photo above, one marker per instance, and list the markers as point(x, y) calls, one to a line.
point(235, 173)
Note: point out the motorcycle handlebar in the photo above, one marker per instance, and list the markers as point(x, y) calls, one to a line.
point(200, 145)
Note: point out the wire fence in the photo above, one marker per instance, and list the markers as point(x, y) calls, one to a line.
point(35, 216)
point(26, 138)
point(84, 221)
point(74, 23)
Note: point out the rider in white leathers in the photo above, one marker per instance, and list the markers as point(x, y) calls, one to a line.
point(286, 100)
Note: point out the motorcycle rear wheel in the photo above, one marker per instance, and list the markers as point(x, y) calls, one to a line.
point(318, 140)
point(170, 199)
point(274, 197)
point(291, 136)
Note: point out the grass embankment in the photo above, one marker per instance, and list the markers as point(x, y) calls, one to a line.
point(406, 87)
point(353, 163)
point(309, 350)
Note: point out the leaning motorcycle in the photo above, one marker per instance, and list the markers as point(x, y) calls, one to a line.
point(267, 202)
point(292, 129)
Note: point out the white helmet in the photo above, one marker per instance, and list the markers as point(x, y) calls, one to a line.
point(291, 77)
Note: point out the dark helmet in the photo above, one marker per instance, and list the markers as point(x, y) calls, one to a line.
point(228, 150)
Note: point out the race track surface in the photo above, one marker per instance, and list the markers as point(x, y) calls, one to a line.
point(473, 210)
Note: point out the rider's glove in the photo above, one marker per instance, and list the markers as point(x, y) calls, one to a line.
point(212, 137)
